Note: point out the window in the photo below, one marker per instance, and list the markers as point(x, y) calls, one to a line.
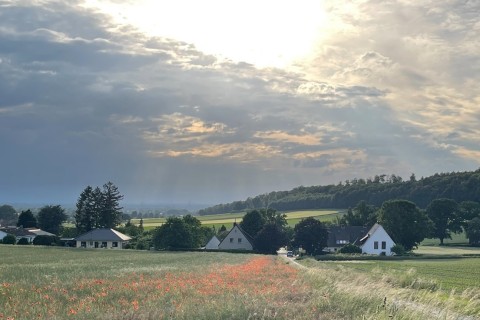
point(104, 244)
point(114, 244)
point(384, 245)
point(83, 244)
point(231, 240)
point(239, 240)
point(375, 245)
point(91, 243)
point(342, 241)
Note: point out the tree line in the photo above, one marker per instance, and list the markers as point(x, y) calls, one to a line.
point(459, 186)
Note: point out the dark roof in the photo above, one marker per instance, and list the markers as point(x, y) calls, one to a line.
point(103, 235)
point(18, 232)
point(369, 233)
point(350, 234)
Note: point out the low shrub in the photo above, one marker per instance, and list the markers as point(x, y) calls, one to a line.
point(350, 248)
point(399, 250)
point(23, 241)
point(44, 240)
point(9, 239)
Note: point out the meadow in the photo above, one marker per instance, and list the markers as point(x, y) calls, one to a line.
point(227, 219)
point(62, 283)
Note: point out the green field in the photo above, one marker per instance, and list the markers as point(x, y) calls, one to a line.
point(458, 274)
point(227, 219)
point(70, 283)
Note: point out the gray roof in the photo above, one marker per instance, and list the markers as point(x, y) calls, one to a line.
point(351, 234)
point(370, 232)
point(103, 235)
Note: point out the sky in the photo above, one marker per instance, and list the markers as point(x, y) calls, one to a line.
point(214, 101)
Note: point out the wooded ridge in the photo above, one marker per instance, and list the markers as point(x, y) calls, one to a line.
point(459, 186)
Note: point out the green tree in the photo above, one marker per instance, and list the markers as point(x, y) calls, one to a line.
point(26, 219)
point(362, 214)
point(469, 210)
point(252, 222)
point(44, 240)
point(87, 210)
point(8, 215)
point(404, 222)
point(443, 213)
point(311, 235)
point(472, 230)
point(177, 233)
point(274, 217)
point(50, 218)
point(9, 239)
point(23, 241)
point(270, 238)
point(110, 214)
point(98, 208)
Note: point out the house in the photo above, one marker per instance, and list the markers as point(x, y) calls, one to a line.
point(377, 241)
point(102, 238)
point(18, 232)
point(338, 236)
point(212, 244)
point(236, 239)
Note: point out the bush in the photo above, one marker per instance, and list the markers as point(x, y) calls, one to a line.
point(350, 248)
point(44, 240)
point(9, 239)
point(399, 250)
point(23, 241)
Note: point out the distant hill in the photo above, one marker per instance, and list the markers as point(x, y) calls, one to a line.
point(460, 186)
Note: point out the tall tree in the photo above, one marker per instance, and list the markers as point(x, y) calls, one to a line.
point(98, 208)
point(50, 218)
point(404, 222)
point(26, 219)
point(86, 214)
point(311, 235)
point(362, 215)
point(110, 213)
point(175, 233)
point(8, 215)
point(444, 215)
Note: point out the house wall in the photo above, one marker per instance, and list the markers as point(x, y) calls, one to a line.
point(235, 240)
point(101, 244)
point(379, 236)
point(2, 235)
point(212, 244)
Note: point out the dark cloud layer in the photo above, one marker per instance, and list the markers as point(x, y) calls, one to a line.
point(84, 101)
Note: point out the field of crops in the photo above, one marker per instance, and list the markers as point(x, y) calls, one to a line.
point(446, 274)
point(228, 219)
point(70, 283)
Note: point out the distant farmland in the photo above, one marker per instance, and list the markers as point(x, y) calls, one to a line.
point(227, 219)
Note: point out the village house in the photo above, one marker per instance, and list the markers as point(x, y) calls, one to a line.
point(212, 244)
point(377, 241)
point(102, 238)
point(236, 239)
point(18, 232)
point(372, 241)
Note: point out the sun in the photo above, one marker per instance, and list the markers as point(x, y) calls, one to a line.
point(267, 33)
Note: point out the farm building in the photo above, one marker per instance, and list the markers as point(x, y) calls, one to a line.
point(377, 241)
point(102, 238)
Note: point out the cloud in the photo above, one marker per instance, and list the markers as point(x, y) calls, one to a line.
point(391, 89)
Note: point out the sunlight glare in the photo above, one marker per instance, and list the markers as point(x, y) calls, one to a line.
point(267, 33)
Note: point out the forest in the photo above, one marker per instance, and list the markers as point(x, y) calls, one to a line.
point(459, 186)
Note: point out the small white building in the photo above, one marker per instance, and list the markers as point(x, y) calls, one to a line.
point(236, 239)
point(212, 244)
point(102, 238)
point(377, 241)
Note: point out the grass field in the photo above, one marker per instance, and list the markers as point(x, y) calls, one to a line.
point(61, 283)
point(228, 219)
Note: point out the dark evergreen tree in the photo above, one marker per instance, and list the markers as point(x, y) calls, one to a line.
point(51, 218)
point(26, 219)
point(110, 214)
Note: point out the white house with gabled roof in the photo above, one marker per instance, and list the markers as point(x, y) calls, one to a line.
point(377, 241)
point(236, 239)
point(102, 238)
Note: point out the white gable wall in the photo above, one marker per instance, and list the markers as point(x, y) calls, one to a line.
point(2, 235)
point(235, 240)
point(378, 242)
point(212, 244)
